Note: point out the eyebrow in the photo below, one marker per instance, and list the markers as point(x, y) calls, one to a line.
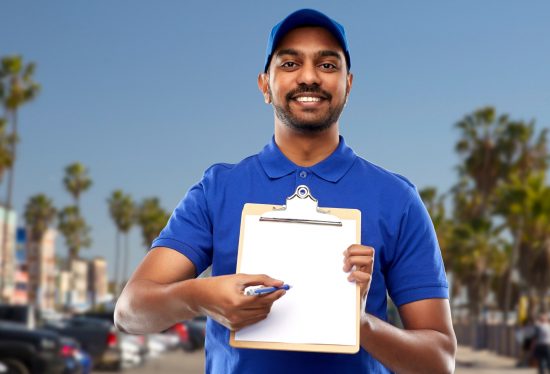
point(323, 53)
point(287, 51)
point(329, 53)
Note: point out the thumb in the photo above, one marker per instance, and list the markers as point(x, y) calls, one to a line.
point(260, 280)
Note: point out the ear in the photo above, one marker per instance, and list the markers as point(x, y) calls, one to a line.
point(349, 83)
point(263, 85)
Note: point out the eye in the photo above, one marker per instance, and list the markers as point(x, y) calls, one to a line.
point(289, 64)
point(328, 66)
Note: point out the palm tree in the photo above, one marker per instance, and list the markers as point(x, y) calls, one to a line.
point(435, 205)
point(75, 230)
point(6, 162)
point(476, 247)
point(525, 157)
point(122, 210)
point(17, 87)
point(76, 181)
point(525, 205)
point(6, 143)
point(39, 215)
point(481, 148)
point(523, 152)
point(152, 218)
point(493, 149)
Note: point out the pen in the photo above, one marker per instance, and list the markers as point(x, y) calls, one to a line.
point(260, 290)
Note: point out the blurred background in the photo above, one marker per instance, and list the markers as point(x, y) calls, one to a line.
point(111, 111)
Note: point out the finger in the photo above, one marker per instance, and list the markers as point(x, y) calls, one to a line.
point(359, 262)
point(358, 250)
point(268, 299)
point(235, 317)
point(259, 280)
point(247, 314)
point(249, 322)
point(360, 277)
point(262, 301)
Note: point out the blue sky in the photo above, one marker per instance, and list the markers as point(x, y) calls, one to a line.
point(149, 94)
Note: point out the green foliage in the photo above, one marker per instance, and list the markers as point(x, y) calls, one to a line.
point(500, 195)
point(76, 180)
point(435, 205)
point(18, 86)
point(71, 224)
point(39, 215)
point(122, 210)
point(152, 218)
point(75, 230)
point(525, 204)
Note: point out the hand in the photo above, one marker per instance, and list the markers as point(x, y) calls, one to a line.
point(359, 259)
point(222, 298)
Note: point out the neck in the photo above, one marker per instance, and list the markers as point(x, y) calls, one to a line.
point(306, 149)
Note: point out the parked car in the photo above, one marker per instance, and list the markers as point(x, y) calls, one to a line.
point(77, 361)
point(23, 314)
point(98, 338)
point(29, 351)
point(134, 349)
point(196, 329)
point(191, 333)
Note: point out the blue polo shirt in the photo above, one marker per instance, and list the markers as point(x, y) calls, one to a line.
point(204, 227)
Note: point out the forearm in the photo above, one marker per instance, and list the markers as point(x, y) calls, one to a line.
point(147, 307)
point(408, 351)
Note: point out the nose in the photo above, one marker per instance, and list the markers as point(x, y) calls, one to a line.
point(308, 74)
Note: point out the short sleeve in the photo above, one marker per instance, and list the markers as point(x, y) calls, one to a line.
point(416, 271)
point(189, 229)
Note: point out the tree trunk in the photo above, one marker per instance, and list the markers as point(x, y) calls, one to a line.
point(117, 264)
point(9, 198)
point(542, 301)
point(512, 265)
point(125, 264)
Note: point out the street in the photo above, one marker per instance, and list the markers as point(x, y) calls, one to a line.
point(175, 362)
point(468, 362)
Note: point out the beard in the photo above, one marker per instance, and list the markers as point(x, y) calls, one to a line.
point(307, 126)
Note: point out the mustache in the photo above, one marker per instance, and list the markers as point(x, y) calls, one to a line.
point(305, 88)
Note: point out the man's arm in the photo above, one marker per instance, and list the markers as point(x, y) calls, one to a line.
point(428, 342)
point(426, 345)
point(163, 291)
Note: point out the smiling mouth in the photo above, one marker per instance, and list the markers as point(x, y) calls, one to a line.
point(308, 99)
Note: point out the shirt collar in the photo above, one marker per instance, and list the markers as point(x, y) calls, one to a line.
point(332, 168)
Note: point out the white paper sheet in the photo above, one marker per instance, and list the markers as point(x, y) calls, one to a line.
point(321, 307)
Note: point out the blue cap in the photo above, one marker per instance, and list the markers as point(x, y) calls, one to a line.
point(305, 17)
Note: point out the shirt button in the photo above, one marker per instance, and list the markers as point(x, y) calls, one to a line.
point(303, 174)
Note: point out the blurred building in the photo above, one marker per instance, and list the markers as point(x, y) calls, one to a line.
point(41, 269)
point(20, 293)
point(7, 264)
point(63, 289)
point(79, 284)
point(97, 280)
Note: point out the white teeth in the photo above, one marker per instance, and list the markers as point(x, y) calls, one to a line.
point(307, 99)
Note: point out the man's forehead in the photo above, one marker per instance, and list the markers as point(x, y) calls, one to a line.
point(309, 39)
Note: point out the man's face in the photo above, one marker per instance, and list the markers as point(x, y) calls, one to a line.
point(307, 81)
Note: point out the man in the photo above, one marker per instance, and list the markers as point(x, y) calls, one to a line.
point(542, 343)
point(307, 80)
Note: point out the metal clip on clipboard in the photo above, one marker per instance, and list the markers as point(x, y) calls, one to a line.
point(301, 207)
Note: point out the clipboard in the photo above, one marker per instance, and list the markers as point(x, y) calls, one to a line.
point(302, 245)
